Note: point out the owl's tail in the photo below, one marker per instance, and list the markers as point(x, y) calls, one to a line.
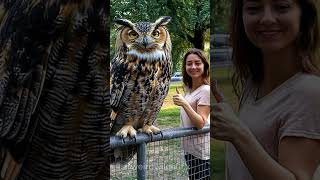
point(123, 155)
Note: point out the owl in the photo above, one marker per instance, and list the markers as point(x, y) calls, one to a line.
point(54, 89)
point(140, 75)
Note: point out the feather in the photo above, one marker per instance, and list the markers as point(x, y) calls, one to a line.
point(124, 22)
point(162, 21)
point(54, 92)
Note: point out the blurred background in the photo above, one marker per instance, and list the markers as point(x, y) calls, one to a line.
point(221, 70)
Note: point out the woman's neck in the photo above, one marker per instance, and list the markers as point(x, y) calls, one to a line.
point(196, 83)
point(279, 66)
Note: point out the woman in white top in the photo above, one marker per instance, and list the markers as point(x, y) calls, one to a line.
point(195, 109)
point(276, 56)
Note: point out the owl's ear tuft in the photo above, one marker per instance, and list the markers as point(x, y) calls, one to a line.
point(162, 21)
point(123, 22)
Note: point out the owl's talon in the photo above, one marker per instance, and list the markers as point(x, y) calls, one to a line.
point(161, 134)
point(133, 137)
point(151, 137)
point(125, 131)
point(150, 129)
point(154, 129)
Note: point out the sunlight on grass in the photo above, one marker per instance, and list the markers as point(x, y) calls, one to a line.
point(172, 91)
point(169, 116)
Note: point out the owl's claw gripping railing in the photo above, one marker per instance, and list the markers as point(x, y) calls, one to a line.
point(141, 139)
point(161, 134)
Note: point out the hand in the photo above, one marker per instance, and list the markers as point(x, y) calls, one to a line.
point(178, 99)
point(225, 125)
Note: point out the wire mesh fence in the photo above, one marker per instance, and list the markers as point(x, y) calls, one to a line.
point(169, 155)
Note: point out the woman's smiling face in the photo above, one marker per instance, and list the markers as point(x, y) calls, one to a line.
point(194, 66)
point(271, 25)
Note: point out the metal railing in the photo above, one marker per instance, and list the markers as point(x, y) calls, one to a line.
point(172, 164)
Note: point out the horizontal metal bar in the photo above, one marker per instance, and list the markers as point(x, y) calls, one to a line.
point(116, 141)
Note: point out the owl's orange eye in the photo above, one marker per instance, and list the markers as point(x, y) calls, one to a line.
point(133, 34)
point(156, 33)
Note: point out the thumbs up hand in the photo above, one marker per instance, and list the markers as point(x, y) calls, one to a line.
point(178, 99)
point(224, 124)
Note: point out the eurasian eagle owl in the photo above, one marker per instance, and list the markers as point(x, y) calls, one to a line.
point(140, 75)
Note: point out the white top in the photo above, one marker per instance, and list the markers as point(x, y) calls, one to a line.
point(197, 145)
point(292, 109)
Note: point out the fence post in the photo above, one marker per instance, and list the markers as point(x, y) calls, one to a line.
point(141, 161)
point(141, 141)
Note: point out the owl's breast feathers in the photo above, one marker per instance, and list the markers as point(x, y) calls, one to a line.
point(137, 84)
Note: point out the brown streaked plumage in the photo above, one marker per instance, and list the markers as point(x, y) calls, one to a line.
point(54, 89)
point(140, 76)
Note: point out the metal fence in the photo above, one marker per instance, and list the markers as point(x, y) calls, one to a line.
point(159, 156)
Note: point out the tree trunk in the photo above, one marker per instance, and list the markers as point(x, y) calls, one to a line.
point(198, 40)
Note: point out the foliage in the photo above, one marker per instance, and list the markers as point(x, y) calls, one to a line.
point(189, 27)
point(220, 15)
point(217, 159)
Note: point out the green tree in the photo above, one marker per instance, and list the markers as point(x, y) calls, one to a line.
point(220, 15)
point(189, 27)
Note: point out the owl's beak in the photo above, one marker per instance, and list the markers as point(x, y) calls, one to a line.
point(145, 42)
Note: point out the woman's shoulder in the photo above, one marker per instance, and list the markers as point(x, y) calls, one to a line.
point(205, 88)
point(306, 91)
point(308, 86)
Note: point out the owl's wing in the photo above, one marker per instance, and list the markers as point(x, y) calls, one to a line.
point(116, 86)
point(23, 64)
point(23, 53)
point(44, 49)
point(119, 80)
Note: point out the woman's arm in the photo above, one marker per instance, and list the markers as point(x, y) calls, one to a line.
point(298, 157)
point(199, 117)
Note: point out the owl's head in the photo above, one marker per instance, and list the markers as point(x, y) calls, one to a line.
point(145, 40)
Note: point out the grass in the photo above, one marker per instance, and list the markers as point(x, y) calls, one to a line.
point(217, 155)
point(172, 90)
point(169, 116)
